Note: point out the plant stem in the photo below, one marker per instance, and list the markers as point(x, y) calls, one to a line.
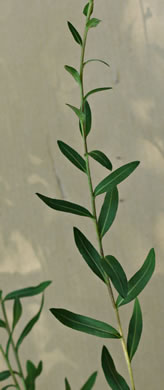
point(10, 368)
point(91, 4)
point(13, 344)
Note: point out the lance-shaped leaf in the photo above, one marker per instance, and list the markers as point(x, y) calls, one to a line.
point(2, 324)
point(75, 33)
point(8, 386)
point(101, 158)
point(89, 254)
point(78, 112)
point(67, 207)
point(4, 375)
point(85, 324)
point(138, 281)
point(30, 325)
point(114, 379)
point(115, 178)
point(108, 211)
point(116, 273)
point(17, 312)
point(93, 22)
point(0, 294)
point(28, 292)
point(90, 382)
point(135, 329)
point(74, 73)
point(88, 118)
point(96, 60)
point(96, 90)
point(67, 385)
point(72, 156)
point(85, 10)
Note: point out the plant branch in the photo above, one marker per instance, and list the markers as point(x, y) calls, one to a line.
point(10, 368)
point(90, 9)
point(13, 344)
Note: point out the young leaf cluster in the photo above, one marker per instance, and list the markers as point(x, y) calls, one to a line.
point(32, 372)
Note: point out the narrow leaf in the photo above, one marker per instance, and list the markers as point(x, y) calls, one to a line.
point(17, 312)
point(101, 158)
point(67, 385)
point(72, 156)
point(78, 112)
point(0, 294)
point(67, 207)
point(85, 10)
point(2, 324)
point(75, 33)
point(85, 324)
point(116, 273)
point(4, 375)
point(135, 329)
point(96, 90)
point(108, 211)
point(90, 382)
point(28, 292)
point(74, 73)
point(97, 60)
point(30, 325)
point(88, 118)
point(7, 387)
point(32, 373)
point(115, 178)
point(93, 22)
point(138, 281)
point(89, 254)
point(114, 379)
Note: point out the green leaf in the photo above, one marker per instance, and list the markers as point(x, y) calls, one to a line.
point(17, 312)
point(115, 178)
point(78, 112)
point(108, 211)
point(101, 158)
point(114, 379)
point(2, 324)
point(67, 207)
point(0, 294)
point(28, 292)
point(96, 90)
point(135, 330)
point(89, 254)
point(88, 118)
point(30, 325)
point(93, 22)
point(97, 60)
point(72, 156)
point(85, 324)
point(74, 73)
point(75, 33)
point(7, 387)
point(67, 385)
point(85, 10)
point(116, 273)
point(32, 373)
point(90, 382)
point(138, 281)
point(4, 375)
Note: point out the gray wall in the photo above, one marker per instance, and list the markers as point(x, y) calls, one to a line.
point(37, 243)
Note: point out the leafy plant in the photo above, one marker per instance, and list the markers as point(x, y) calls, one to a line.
point(106, 267)
point(17, 375)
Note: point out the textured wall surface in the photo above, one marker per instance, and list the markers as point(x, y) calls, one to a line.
point(36, 243)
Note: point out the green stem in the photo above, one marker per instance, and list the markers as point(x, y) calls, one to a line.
point(10, 368)
point(13, 344)
point(91, 3)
